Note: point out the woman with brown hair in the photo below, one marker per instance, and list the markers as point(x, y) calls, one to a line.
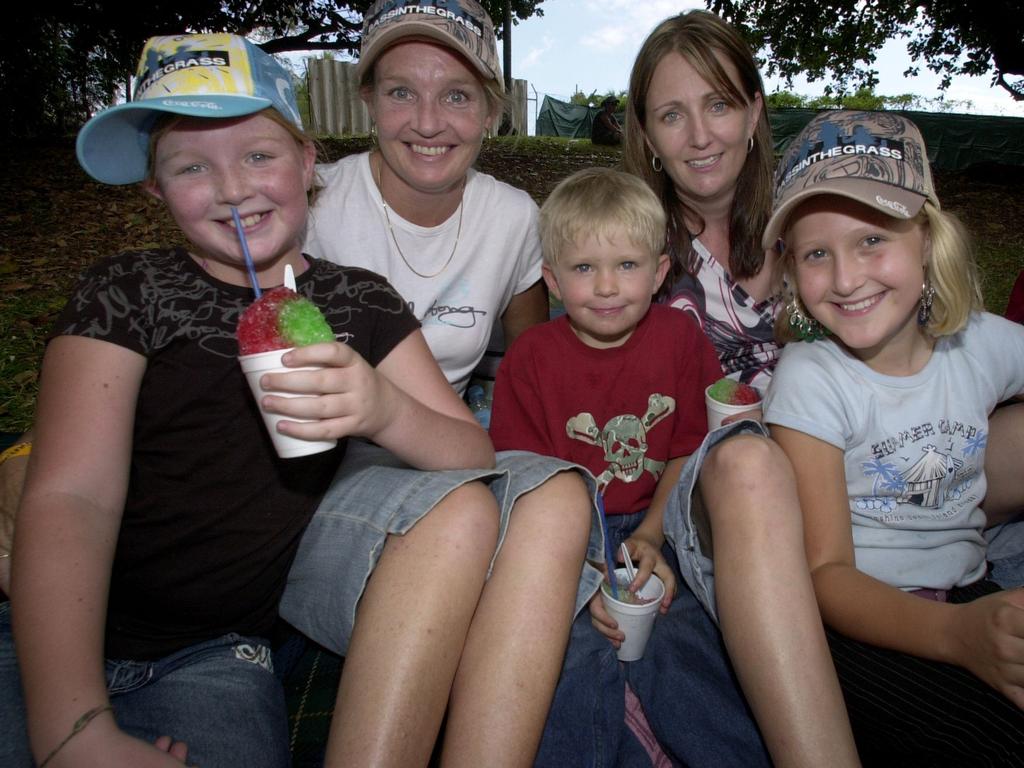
point(745, 628)
point(697, 131)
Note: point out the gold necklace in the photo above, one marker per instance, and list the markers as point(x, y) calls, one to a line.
point(387, 218)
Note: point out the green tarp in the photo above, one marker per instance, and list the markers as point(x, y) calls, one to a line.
point(560, 118)
point(954, 141)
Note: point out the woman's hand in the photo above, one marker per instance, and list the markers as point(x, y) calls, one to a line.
point(988, 636)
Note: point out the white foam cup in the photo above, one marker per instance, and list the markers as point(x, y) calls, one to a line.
point(635, 620)
point(718, 411)
point(288, 447)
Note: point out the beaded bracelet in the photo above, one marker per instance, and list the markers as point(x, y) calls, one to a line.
point(76, 729)
point(18, 449)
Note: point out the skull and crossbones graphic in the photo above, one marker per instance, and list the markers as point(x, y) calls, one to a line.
point(624, 439)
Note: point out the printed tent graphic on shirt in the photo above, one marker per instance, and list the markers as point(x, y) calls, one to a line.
point(923, 480)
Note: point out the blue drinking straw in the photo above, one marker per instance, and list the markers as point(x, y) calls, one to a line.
point(245, 252)
point(609, 553)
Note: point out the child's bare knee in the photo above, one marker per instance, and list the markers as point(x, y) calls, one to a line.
point(745, 459)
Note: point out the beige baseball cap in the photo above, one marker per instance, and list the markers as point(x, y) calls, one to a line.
point(876, 158)
point(462, 25)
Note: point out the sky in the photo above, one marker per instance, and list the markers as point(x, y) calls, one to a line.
point(589, 46)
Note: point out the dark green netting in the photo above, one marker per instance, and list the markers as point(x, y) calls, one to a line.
point(955, 141)
point(560, 118)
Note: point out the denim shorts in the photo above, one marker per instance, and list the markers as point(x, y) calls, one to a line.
point(220, 697)
point(685, 520)
point(374, 495)
point(1006, 553)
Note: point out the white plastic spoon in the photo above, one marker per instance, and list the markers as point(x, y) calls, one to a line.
point(627, 562)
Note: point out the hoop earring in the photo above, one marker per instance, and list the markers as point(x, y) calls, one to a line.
point(924, 312)
point(656, 164)
point(804, 327)
point(750, 145)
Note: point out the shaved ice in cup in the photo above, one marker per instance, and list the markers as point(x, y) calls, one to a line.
point(728, 397)
point(281, 319)
point(634, 613)
point(277, 322)
point(625, 595)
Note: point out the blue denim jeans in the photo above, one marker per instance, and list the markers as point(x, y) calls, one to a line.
point(586, 725)
point(690, 693)
point(220, 697)
point(684, 681)
point(1006, 553)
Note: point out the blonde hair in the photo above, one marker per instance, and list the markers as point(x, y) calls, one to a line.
point(952, 270)
point(701, 38)
point(167, 121)
point(602, 203)
point(950, 267)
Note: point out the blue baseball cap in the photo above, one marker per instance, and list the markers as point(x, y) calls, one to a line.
point(217, 76)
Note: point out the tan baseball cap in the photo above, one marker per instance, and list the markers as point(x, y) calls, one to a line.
point(462, 25)
point(876, 158)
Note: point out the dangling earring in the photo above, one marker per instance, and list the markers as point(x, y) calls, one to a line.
point(656, 164)
point(373, 134)
point(750, 145)
point(924, 312)
point(805, 327)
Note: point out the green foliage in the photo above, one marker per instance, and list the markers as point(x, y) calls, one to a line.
point(51, 75)
point(302, 99)
point(521, 10)
point(25, 319)
point(59, 62)
point(594, 99)
point(839, 39)
point(865, 98)
point(786, 100)
point(581, 99)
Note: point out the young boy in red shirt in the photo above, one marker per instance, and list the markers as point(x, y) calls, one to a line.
point(615, 385)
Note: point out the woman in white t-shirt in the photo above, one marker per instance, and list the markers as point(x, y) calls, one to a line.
point(463, 251)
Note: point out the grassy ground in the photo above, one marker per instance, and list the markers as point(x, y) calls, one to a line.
point(54, 221)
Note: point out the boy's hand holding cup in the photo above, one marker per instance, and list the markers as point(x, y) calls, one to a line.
point(633, 612)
